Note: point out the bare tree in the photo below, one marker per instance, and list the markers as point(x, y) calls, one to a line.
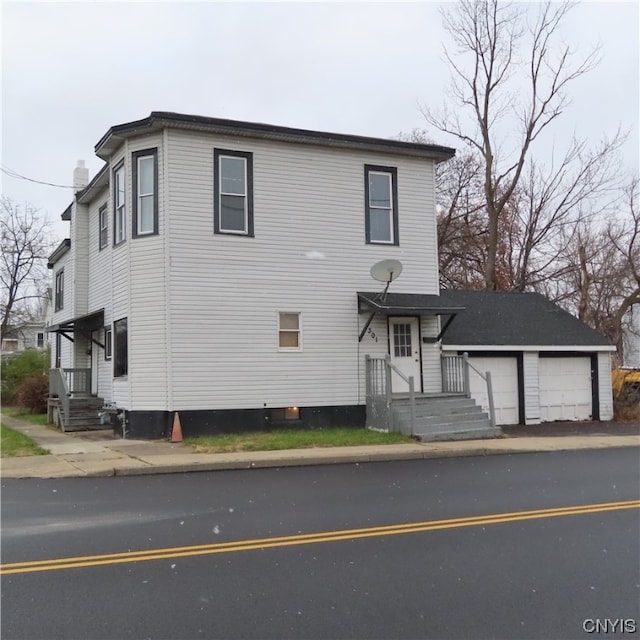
point(23, 268)
point(495, 118)
point(602, 266)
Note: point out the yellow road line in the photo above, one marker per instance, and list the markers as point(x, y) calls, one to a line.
point(308, 538)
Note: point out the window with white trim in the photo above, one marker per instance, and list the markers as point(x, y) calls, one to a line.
point(40, 340)
point(108, 336)
point(233, 192)
point(381, 205)
point(119, 206)
point(103, 227)
point(289, 331)
point(145, 200)
point(59, 296)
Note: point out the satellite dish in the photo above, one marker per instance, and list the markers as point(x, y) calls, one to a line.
point(386, 270)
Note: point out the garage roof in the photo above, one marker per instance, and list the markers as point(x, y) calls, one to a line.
point(501, 318)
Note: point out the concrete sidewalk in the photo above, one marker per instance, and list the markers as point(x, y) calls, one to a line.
point(99, 453)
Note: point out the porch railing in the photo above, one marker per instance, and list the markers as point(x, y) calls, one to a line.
point(379, 393)
point(455, 379)
point(78, 381)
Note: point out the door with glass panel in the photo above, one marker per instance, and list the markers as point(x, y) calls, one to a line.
point(405, 353)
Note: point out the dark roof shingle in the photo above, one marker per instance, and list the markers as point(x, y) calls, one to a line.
point(503, 318)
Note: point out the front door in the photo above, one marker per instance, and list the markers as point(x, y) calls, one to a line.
point(405, 353)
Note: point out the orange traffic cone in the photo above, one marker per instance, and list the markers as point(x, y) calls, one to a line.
point(176, 432)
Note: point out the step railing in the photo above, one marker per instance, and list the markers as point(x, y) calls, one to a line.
point(59, 389)
point(379, 393)
point(455, 379)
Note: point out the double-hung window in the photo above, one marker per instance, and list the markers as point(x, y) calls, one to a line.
point(59, 298)
point(233, 192)
point(119, 206)
point(108, 335)
point(289, 331)
point(120, 349)
point(381, 204)
point(145, 192)
point(103, 227)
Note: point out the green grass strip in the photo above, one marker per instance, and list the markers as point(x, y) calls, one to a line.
point(14, 444)
point(292, 439)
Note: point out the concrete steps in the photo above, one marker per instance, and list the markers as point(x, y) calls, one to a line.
point(442, 417)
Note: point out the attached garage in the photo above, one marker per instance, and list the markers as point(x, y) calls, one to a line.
point(565, 388)
point(545, 364)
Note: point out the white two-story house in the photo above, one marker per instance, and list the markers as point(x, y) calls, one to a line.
point(221, 269)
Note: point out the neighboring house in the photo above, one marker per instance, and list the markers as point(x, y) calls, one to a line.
point(29, 335)
point(545, 364)
point(221, 269)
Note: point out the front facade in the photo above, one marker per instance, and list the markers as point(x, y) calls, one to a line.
point(213, 268)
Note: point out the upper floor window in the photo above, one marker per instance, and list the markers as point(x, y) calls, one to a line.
point(103, 227)
point(145, 192)
point(59, 296)
point(233, 192)
point(119, 205)
point(381, 204)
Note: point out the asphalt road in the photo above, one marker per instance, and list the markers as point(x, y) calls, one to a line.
point(381, 550)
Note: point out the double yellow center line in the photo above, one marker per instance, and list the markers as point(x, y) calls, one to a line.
point(308, 538)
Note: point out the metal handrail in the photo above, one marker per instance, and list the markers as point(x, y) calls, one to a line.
point(487, 378)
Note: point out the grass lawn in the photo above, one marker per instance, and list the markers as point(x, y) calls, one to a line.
point(13, 443)
point(292, 439)
point(23, 414)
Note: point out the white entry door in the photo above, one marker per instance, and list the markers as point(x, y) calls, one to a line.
point(405, 353)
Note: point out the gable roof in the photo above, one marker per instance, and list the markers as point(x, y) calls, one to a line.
point(159, 120)
point(505, 318)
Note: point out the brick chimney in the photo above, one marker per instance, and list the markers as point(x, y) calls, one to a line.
point(80, 177)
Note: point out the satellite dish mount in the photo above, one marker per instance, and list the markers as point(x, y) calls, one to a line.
point(386, 271)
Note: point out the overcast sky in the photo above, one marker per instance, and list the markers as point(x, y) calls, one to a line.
point(72, 70)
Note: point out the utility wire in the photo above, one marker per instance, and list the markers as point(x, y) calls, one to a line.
point(13, 174)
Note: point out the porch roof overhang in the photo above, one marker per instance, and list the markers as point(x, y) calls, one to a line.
point(406, 304)
point(82, 324)
point(399, 304)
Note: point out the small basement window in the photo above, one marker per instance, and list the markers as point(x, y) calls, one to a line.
point(286, 413)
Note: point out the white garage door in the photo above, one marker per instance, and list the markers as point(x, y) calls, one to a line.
point(504, 379)
point(565, 389)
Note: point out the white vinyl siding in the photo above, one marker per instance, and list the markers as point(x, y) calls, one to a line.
point(531, 387)
point(308, 255)
point(605, 394)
